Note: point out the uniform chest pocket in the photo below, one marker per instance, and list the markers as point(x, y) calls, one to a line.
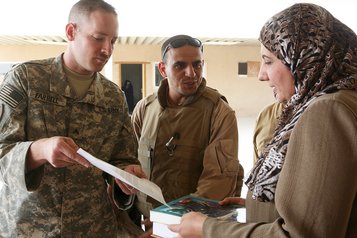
point(46, 115)
point(188, 155)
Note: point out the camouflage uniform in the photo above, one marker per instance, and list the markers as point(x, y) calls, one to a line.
point(37, 102)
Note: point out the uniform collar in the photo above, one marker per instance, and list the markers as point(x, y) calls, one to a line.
point(59, 85)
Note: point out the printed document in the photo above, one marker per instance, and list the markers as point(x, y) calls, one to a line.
point(143, 185)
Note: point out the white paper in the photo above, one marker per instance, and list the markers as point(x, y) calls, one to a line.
point(143, 185)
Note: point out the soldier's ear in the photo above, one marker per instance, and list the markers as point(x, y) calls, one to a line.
point(71, 31)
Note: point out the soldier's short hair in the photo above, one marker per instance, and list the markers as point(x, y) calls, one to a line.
point(86, 7)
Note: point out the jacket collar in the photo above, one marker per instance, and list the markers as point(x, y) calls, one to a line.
point(163, 91)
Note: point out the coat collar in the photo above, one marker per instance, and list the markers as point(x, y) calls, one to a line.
point(163, 90)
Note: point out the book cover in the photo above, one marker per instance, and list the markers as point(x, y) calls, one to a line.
point(171, 214)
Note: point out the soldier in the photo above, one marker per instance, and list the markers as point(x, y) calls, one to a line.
point(48, 109)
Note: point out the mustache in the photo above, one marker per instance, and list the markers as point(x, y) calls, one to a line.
point(103, 59)
point(188, 79)
point(103, 56)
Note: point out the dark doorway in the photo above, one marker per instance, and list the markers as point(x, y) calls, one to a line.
point(158, 76)
point(131, 79)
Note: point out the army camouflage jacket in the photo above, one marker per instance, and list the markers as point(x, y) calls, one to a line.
point(37, 102)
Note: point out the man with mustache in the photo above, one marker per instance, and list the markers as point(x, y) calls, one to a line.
point(187, 132)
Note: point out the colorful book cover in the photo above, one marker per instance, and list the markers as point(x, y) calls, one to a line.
point(172, 214)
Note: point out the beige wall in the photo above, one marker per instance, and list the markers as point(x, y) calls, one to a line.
point(247, 96)
point(18, 53)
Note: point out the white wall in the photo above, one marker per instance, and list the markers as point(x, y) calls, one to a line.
point(245, 151)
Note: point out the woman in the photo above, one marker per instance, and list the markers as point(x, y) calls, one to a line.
point(309, 169)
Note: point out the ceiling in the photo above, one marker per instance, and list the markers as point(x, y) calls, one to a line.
point(151, 22)
point(132, 40)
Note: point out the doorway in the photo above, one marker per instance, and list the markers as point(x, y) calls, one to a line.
point(131, 83)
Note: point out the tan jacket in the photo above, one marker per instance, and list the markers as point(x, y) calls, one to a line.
point(203, 158)
point(316, 191)
point(266, 123)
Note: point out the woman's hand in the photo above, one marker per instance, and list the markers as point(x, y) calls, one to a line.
point(232, 200)
point(190, 226)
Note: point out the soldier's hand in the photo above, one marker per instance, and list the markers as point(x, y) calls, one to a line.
point(58, 151)
point(135, 170)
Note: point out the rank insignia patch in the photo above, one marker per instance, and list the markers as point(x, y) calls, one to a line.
point(10, 96)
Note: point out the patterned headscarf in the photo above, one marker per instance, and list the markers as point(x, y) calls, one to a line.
point(321, 53)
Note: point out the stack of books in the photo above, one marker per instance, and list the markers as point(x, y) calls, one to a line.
point(171, 214)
